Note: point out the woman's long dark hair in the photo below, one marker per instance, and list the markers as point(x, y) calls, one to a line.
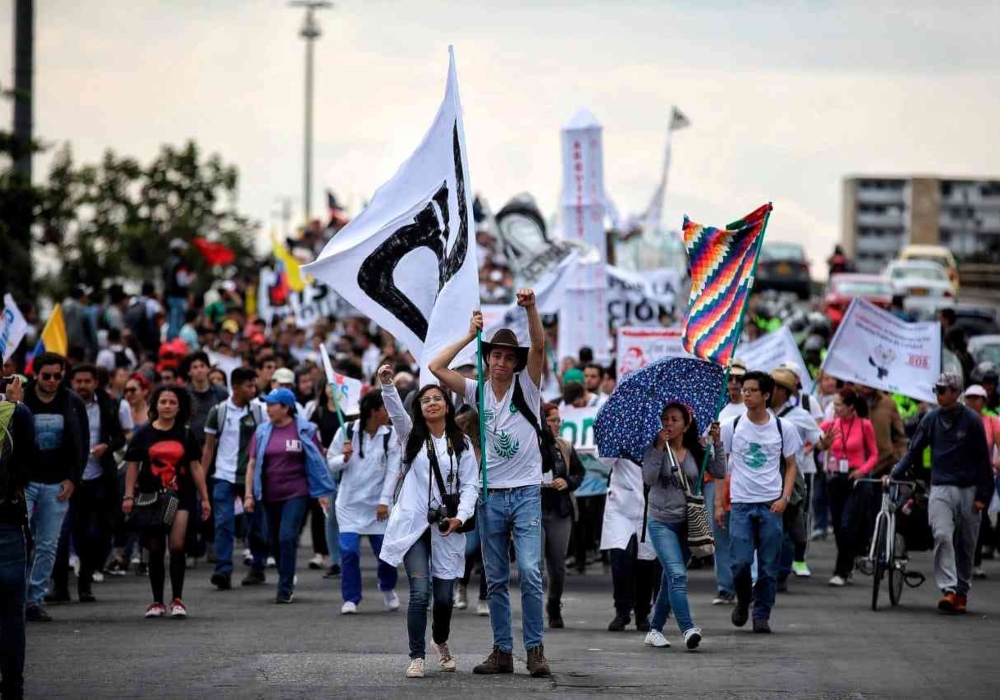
point(691, 440)
point(183, 404)
point(420, 432)
point(370, 402)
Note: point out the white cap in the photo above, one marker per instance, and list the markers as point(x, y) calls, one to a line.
point(976, 390)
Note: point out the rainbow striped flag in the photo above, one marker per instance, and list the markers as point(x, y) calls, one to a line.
point(722, 264)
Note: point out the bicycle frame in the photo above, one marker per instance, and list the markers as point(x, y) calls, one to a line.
point(887, 513)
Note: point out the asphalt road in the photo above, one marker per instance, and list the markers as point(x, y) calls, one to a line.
point(239, 644)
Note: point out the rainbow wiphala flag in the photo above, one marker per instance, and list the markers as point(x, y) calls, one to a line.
point(721, 262)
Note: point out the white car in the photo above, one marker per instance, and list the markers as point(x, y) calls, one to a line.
point(985, 348)
point(920, 278)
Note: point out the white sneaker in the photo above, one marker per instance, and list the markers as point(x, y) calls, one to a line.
point(247, 558)
point(349, 608)
point(74, 563)
point(390, 600)
point(837, 582)
point(415, 669)
point(97, 577)
point(483, 609)
point(444, 656)
point(272, 563)
point(316, 563)
point(656, 639)
point(461, 598)
point(692, 637)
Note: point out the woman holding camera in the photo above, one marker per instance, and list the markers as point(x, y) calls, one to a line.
point(422, 532)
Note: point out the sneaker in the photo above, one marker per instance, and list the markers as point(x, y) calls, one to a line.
point(448, 664)
point(86, 597)
point(978, 572)
point(390, 601)
point(656, 639)
point(34, 613)
point(801, 569)
point(156, 610)
point(316, 563)
point(740, 615)
point(761, 625)
point(483, 609)
point(837, 582)
point(115, 568)
point(222, 582)
point(818, 534)
point(253, 578)
point(619, 623)
point(538, 667)
point(349, 608)
point(961, 603)
point(461, 598)
point(56, 597)
point(497, 662)
point(947, 602)
point(692, 637)
point(724, 598)
point(177, 609)
point(97, 577)
point(74, 563)
point(642, 625)
point(272, 563)
point(415, 669)
point(247, 558)
point(332, 572)
point(284, 598)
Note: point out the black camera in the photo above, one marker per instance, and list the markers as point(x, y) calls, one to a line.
point(438, 515)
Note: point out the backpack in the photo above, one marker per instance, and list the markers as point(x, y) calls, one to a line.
point(138, 321)
point(354, 425)
point(799, 490)
point(121, 359)
point(546, 440)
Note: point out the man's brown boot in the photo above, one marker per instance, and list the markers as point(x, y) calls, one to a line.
point(538, 667)
point(497, 662)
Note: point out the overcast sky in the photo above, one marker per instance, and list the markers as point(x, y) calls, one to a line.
point(785, 98)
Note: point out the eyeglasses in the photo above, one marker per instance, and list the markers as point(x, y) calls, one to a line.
point(749, 390)
point(50, 376)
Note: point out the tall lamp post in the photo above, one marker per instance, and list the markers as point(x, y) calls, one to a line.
point(310, 32)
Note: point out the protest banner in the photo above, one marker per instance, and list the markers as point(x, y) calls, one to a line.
point(874, 348)
point(346, 392)
point(770, 350)
point(316, 301)
point(595, 476)
point(637, 347)
point(578, 427)
point(12, 327)
point(641, 298)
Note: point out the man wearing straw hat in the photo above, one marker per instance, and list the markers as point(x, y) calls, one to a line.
point(512, 502)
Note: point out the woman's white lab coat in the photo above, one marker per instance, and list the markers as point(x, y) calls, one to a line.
point(623, 509)
point(366, 482)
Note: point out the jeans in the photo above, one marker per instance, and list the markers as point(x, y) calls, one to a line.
point(350, 566)
point(555, 531)
point(723, 565)
point(45, 515)
point(284, 519)
point(667, 540)
point(518, 513)
point(224, 496)
point(176, 311)
point(956, 527)
point(635, 582)
point(474, 554)
point(754, 529)
point(417, 563)
point(848, 511)
point(333, 530)
point(13, 584)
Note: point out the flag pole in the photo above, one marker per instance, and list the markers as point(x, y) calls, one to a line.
point(336, 406)
point(736, 339)
point(481, 407)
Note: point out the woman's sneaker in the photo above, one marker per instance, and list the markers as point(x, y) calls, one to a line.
point(415, 669)
point(483, 609)
point(692, 637)
point(349, 608)
point(724, 598)
point(656, 639)
point(390, 600)
point(177, 608)
point(444, 656)
point(316, 563)
point(837, 582)
point(461, 598)
point(156, 610)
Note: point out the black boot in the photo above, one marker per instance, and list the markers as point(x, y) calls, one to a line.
point(620, 622)
point(555, 615)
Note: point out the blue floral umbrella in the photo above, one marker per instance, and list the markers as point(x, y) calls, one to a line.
point(628, 423)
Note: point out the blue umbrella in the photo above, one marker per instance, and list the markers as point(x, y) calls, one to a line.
point(628, 422)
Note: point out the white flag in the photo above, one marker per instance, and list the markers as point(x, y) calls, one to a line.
point(346, 392)
point(12, 327)
point(408, 260)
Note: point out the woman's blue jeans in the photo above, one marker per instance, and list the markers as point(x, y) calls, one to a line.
point(668, 541)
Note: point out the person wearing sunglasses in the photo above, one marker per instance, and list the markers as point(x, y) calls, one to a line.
point(961, 487)
point(62, 446)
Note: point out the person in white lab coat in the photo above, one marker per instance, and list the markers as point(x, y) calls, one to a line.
point(367, 455)
point(434, 557)
point(635, 571)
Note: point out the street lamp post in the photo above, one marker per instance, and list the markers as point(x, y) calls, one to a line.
point(310, 32)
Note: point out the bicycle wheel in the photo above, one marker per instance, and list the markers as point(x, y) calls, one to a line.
point(878, 566)
point(897, 572)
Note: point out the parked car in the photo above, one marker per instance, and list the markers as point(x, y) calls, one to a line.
point(973, 319)
point(783, 267)
point(985, 348)
point(920, 278)
point(842, 289)
point(933, 253)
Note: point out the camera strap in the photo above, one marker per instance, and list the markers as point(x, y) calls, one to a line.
point(436, 469)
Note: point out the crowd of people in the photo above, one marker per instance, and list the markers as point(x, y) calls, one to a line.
point(174, 431)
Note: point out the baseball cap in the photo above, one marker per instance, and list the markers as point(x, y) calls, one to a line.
point(949, 380)
point(737, 368)
point(572, 375)
point(283, 375)
point(283, 396)
point(231, 325)
point(976, 390)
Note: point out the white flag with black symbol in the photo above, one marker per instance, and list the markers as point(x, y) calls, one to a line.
point(408, 261)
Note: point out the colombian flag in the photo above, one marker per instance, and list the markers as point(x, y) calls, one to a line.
point(293, 275)
point(53, 338)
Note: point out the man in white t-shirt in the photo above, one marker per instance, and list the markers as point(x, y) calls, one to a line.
point(513, 503)
point(755, 444)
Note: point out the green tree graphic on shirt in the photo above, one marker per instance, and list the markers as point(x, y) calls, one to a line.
point(505, 446)
point(755, 457)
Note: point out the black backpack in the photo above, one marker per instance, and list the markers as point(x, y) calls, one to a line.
point(121, 359)
point(546, 440)
point(351, 427)
point(799, 490)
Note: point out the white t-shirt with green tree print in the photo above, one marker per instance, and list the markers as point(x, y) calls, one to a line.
point(512, 455)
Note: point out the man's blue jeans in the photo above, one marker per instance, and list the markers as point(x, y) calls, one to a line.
point(13, 584)
point(667, 540)
point(224, 499)
point(350, 566)
point(753, 528)
point(503, 513)
point(45, 516)
point(176, 311)
point(723, 563)
point(284, 520)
